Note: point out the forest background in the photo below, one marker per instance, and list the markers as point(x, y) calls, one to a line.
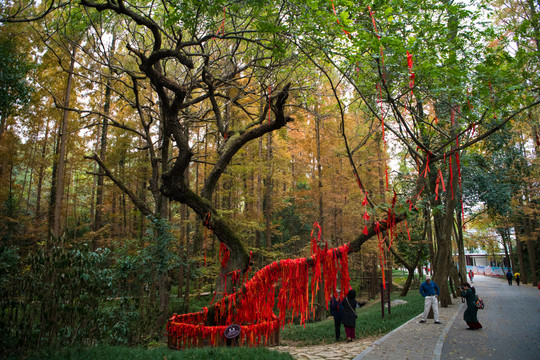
point(140, 141)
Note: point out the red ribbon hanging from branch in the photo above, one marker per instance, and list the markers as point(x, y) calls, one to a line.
point(426, 169)
point(376, 33)
point(440, 180)
point(408, 233)
point(337, 19)
point(269, 102)
point(222, 26)
point(254, 306)
point(411, 73)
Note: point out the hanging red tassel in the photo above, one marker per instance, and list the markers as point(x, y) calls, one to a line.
point(376, 33)
point(269, 102)
point(254, 305)
point(468, 102)
point(411, 74)
point(408, 233)
point(442, 180)
point(426, 169)
point(451, 176)
point(224, 254)
point(335, 14)
point(373, 21)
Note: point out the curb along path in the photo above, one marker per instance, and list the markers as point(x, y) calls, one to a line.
point(411, 340)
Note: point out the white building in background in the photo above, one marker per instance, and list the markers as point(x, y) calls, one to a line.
point(482, 263)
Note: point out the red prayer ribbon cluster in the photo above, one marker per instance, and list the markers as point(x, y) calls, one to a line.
point(253, 306)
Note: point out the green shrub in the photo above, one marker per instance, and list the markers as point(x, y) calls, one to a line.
point(159, 353)
point(369, 322)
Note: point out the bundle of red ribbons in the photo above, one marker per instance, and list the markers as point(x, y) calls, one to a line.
point(253, 306)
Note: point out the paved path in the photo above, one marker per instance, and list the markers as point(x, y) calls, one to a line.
point(511, 324)
point(336, 351)
point(511, 332)
point(413, 340)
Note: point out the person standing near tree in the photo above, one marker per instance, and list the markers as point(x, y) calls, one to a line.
point(471, 275)
point(430, 291)
point(509, 277)
point(518, 278)
point(334, 311)
point(348, 315)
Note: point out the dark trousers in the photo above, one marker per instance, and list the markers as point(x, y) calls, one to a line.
point(337, 325)
point(350, 332)
point(474, 325)
point(509, 280)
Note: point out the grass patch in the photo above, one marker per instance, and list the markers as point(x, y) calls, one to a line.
point(160, 353)
point(369, 322)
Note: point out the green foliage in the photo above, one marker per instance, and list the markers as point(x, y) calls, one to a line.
point(9, 264)
point(125, 353)
point(369, 322)
point(14, 90)
point(67, 294)
point(494, 174)
point(291, 224)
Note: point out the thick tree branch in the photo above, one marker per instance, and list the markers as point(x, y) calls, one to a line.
point(237, 141)
point(140, 204)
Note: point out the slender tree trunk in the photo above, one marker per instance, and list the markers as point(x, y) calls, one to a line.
point(56, 209)
point(519, 249)
point(510, 248)
point(531, 250)
point(162, 209)
point(429, 233)
point(41, 171)
point(504, 236)
point(410, 268)
point(32, 165)
point(98, 217)
point(319, 169)
point(458, 232)
point(268, 194)
point(183, 243)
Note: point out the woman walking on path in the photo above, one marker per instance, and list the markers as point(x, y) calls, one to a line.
point(470, 315)
point(518, 278)
point(348, 315)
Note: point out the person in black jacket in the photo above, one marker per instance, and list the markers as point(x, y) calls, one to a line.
point(470, 316)
point(348, 315)
point(509, 277)
point(334, 311)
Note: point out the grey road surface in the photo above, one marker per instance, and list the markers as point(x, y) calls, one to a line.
point(511, 324)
